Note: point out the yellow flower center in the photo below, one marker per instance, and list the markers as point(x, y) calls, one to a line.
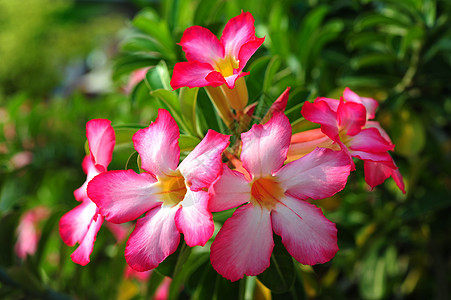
point(226, 65)
point(344, 137)
point(266, 192)
point(172, 189)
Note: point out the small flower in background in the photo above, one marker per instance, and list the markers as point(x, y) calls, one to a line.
point(346, 123)
point(28, 233)
point(141, 276)
point(219, 63)
point(274, 196)
point(213, 62)
point(81, 224)
point(174, 196)
point(135, 77)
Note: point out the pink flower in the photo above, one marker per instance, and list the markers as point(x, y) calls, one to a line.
point(135, 77)
point(28, 233)
point(81, 224)
point(345, 121)
point(174, 198)
point(213, 62)
point(274, 198)
point(141, 276)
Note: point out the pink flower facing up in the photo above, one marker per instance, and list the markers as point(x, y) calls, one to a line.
point(174, 198)
point(81, 224)
point(213, 62)
point(28, 232)
point(346, 123)
point(274, 196)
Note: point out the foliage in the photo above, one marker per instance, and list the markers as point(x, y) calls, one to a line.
point(391, 245)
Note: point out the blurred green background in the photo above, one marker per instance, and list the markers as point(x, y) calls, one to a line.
point(65, 62)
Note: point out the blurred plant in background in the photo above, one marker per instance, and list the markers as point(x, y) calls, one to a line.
point(392, 246)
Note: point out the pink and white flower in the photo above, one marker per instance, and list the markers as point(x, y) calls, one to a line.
point(213, 62)
point(81, 224)
point(346, 123)
point(174, 196)
point(274, 200)
point(28, 233)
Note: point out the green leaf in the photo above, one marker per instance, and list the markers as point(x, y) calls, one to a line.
point(197, 261)
point(280, 275)
point(188, 142)
point(371, 59)
point(47, 230)
point(149, 22)
point(140, 94)
point(8, 227)
point(128, 62)
point(373, 278)
point(409, 134)
point(154, 282)
point(271, 70)
point(158, 77)
point(26, 279)
point(174, 262)
point(188, 100)
point(142, 43)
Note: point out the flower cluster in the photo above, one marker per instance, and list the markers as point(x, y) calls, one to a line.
point(265, 173)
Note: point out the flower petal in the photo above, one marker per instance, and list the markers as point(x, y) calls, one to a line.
point(369, 140)
point(320, 113)
point(74, 225)
point(101, 140)
point(369, 103)
point(305, 142)
point(81, 254)
point(195, 74)
point(308, 236)
point(200, 45)
point(265, 146)
point(91, 171)
point(238, 31)
point(382, 157)
point(376, 173)
point(244, 244)
point(158, 146)
point(154, 238)
point(194, 220)
point(317, 175)
point(223, 196)
point(333, 103)
point(123, 196)
point(351, 117)
point(247, 50)
point(278, 105)
point(230, 80)
point(202, 166)
point(374, 124)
